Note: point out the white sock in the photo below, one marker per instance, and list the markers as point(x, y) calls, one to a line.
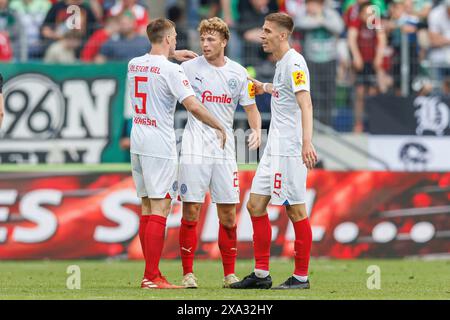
point(261, 273)
point(301, 278)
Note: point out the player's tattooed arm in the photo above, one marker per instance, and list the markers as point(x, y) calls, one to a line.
point(254, 121)
point(183, 55)
point(309, 154)
point(199, 111)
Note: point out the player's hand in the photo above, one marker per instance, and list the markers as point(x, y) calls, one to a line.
point(309, 155)
point(254, 139)
point(184, 55)
point(259, 89)
point(222, 135)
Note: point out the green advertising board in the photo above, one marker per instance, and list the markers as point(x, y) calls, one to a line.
point(63, 113)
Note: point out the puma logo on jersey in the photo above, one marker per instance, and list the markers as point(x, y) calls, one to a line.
point(198, 79)
point(298, 65)
point(187, 250)
point(277, 193)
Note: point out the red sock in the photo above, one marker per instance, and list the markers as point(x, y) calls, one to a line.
point(188, 244)
point(262, 237)
point(303, 242)
point(228, 248)
point(142, 227)
point(154, 242)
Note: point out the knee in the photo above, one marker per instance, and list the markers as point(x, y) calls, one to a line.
point(296, 214)
point(254, 209)
point(228, 221)
point(146, 206)
point(191, 212)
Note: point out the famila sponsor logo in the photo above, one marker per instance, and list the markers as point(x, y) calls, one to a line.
point(209, 97)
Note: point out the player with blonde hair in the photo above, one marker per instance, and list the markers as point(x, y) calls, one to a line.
point(221, 84)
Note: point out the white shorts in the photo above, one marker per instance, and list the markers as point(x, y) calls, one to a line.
point(154, 177)
point(282, 178)
point(197, 174)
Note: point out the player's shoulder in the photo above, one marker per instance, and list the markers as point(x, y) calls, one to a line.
point(192, 63)
point(138, 59)
point(296, 60)
point(295, 56)
point(169, 67)
point(237, 67)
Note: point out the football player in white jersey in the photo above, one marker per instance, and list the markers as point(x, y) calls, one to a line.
point(281, 174)
point(221, 84)
point(155, 86)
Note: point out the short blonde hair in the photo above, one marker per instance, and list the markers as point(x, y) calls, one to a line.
point(212, 25)
point(157, 29)
point(282, 19)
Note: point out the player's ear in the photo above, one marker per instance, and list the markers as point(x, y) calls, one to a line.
point(166, 38)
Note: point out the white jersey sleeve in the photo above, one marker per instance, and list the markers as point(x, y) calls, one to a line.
point(247, 96)
point(179, 84)
point(299, 74)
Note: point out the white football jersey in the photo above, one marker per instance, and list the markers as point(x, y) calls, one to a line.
point(285, 132)
point(155, 85)
point(220, 89)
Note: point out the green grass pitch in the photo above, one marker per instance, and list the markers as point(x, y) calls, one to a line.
point(330, 279)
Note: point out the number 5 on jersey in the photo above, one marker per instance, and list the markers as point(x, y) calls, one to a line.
point(140, 95)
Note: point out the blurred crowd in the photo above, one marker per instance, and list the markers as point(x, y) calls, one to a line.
point(372, 47)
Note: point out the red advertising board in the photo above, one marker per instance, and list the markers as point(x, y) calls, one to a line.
point(353, 214)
